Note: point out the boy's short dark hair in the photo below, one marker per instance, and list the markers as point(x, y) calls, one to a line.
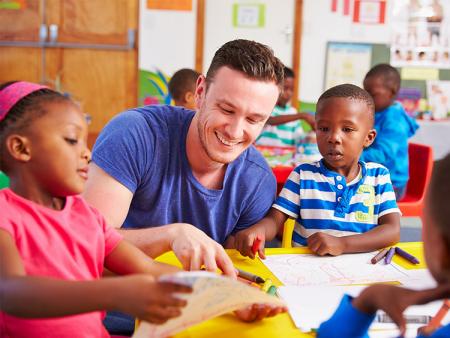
point(438, 196)
point(351, 92)
point(255, 60)
point(182, 81)
point(390, 75)
point(288, 72)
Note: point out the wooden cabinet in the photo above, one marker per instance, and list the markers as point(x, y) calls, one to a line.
point(86, 48)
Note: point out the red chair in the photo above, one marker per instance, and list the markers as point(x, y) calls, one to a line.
point(420, 167)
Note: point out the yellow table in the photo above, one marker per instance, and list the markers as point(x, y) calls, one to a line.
point(227, 326)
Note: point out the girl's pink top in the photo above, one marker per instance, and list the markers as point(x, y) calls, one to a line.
point(69, 244)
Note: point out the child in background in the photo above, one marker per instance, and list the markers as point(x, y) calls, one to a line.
point(283, 127)
point(182, 87)
point(53, 246)
point(393, 126)
point(340, 204)
point(354, 316)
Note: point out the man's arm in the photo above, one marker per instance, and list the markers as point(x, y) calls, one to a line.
point(113, 201)
point(192, 246)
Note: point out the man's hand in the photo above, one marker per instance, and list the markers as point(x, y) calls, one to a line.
point(258, 312)
point(194, 248)
point(324, 244)
point(244, 240)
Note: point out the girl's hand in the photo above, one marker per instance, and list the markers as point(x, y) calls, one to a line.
point(147, 299)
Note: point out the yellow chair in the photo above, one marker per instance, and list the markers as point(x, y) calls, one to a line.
point(288, 230)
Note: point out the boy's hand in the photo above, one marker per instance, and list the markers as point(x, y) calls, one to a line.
point(145, 298)
point(244, 240)
point(258, 312)
point(324, 244)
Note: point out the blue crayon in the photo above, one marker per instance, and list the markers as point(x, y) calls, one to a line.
point(406, 255)
point(389, 255)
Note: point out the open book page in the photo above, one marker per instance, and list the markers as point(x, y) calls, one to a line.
point(309, 269)
point(212, 296)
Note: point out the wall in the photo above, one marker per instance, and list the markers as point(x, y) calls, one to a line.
point(167, 40)
point(321, 25)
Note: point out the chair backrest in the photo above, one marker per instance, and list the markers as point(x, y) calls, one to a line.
point(420, 167)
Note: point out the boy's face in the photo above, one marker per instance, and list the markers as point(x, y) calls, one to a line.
point(343, 129)
point(58, 152)
point(382, 95)
point(286, 94)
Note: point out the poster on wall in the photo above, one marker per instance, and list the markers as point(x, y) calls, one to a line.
point(438, 93)
point(420, 33)
point(369, 11)
point(346, 63)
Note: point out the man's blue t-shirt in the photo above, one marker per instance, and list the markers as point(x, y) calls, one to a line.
point(145, 150)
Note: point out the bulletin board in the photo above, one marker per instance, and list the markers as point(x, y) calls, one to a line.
point(381, 53)
point(346, 63)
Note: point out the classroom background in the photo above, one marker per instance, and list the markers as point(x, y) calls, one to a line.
point(126, 51)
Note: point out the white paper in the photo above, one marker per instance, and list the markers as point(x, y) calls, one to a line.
point(309, 269)
point(212, 296)
point(310, 306)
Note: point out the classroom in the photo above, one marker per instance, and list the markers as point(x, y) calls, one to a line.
point(247, 168)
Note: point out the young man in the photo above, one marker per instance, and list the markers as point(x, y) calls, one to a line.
point(169, 178)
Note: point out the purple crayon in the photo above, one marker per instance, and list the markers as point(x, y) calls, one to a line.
point(406, 255)
point(389, 255)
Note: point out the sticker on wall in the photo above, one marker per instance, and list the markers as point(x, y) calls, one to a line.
point(174, 5)
point(18, 4)
point(369, 11)
point(153, 88)
point(249, 15)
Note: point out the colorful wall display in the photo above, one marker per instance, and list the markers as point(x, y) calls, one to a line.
point(421, 33)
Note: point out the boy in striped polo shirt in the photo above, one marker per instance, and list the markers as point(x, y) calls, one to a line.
point(340, 204)
point(284, 127)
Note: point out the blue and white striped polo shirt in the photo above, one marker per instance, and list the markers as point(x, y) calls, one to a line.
point(320, 200)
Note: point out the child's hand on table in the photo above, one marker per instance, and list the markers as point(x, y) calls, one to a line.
point(145, 298)
point(324, 244)
point(245, 239)
point(258, 312)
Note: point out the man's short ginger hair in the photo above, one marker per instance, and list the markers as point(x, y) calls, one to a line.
point(255, 60)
